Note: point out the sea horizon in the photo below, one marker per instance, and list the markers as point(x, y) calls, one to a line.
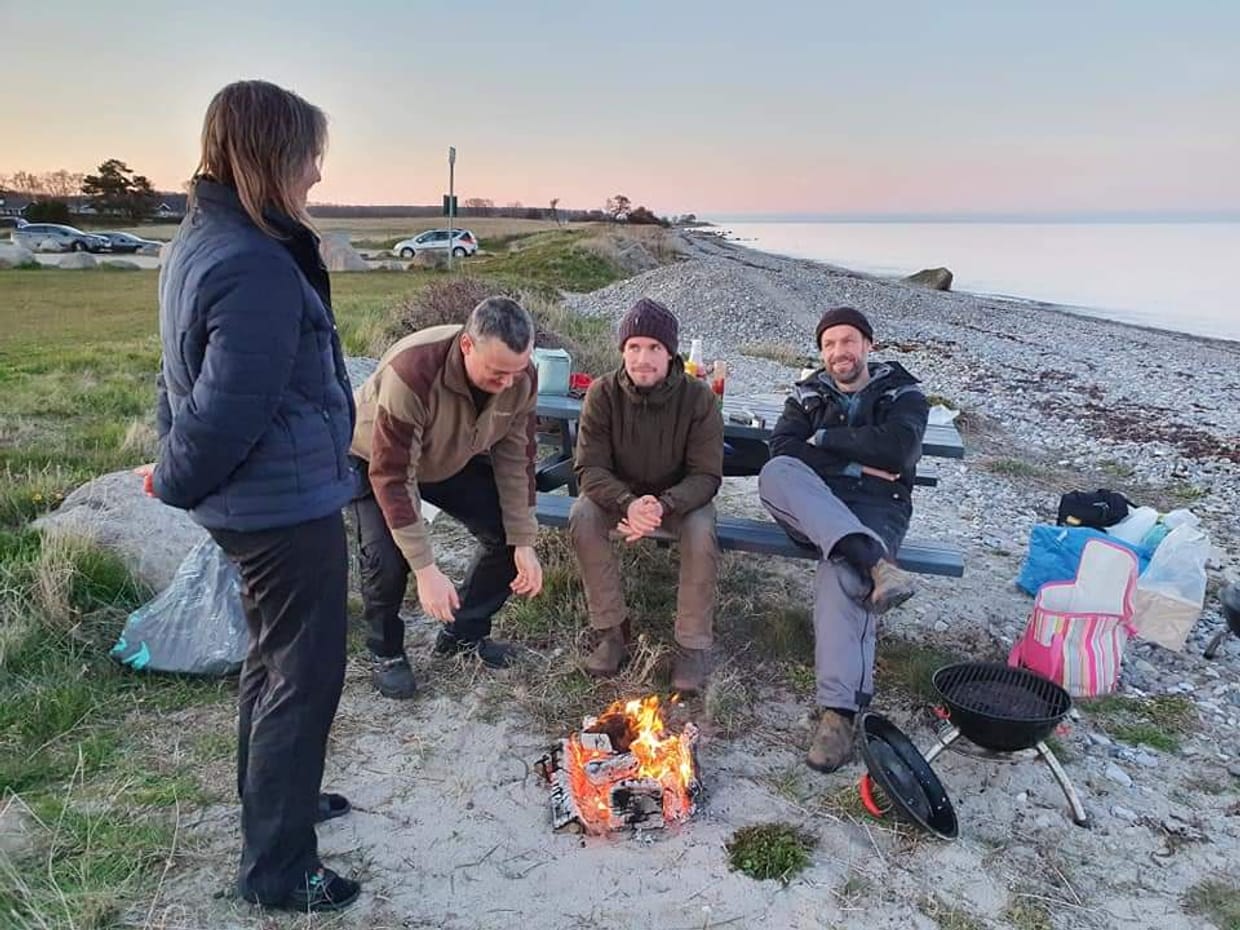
point(1165, 275)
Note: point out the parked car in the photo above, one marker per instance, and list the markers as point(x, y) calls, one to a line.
point(464, 243)
point(123, 242)
point(52, 237)
point(11, 222)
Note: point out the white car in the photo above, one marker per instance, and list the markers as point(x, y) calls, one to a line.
point(464, 243)
point(53, 237)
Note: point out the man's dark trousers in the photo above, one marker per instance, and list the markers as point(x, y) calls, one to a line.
point(469, 496)
point(294, 590)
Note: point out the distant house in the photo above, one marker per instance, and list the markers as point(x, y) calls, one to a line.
point(13, 204)
point(165, 212)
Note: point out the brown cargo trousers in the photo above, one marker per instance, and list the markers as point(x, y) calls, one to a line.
point(590, 527)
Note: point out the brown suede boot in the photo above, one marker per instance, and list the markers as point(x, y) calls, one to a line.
point(832, 744)
point(610, 652)
point(892, 586)
point(690, 670)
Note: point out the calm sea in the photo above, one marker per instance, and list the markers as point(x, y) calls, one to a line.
point(1178, 276)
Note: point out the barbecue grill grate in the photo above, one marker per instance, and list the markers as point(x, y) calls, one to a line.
point(1002, 693)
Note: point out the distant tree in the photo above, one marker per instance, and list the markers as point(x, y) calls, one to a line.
point(555, 212)
point(61, 184)
point(23, 182)
point(514, 205)
point(479, 203)
point(618, 207)
point(115, 190)
point(48, 211)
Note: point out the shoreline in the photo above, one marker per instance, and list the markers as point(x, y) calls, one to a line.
point(1072, 311)
point(723, 235)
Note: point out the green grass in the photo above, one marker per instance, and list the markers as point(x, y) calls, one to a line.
point(770, 851)
point(1181, 494)
point(79, 741)
point(778, 352)
point(1016, 468)
point(557, 259)
point(1159, 722)
point(907, 667)
point(1216, 899)
point(947, 916)
point(1027, 914)
point(1117, 470)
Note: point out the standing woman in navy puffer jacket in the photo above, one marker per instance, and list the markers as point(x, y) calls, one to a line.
point(255, 418)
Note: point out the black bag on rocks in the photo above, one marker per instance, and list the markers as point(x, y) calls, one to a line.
point(1099, 509)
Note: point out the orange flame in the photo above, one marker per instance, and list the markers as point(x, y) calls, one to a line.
point(652, 755)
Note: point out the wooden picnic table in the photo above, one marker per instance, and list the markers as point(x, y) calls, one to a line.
point(748, 424)
point(754, 417)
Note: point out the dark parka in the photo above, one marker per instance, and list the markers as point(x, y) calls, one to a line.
point(883, 428)
point(255, 412)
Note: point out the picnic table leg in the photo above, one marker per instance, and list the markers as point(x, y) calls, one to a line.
point(568, 448)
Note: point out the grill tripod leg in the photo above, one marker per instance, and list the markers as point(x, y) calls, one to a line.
point(1212, 649)
point(943, 738)
point(1079, 817)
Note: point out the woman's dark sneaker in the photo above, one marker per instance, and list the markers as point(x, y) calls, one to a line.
point(323, 890)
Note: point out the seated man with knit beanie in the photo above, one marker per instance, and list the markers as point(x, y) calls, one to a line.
point(649, 456)
point(840, 479)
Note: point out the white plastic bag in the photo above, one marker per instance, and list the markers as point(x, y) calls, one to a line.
point(1132, 528)
point(1171, 592)
point(941, 415)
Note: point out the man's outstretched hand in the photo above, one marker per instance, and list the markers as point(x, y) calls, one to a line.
point(437, 594)
point(529, 578)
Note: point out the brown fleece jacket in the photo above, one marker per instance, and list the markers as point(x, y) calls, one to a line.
point(416, 421)
point(666, 440)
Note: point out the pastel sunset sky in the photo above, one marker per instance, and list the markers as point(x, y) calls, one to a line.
point(712, 107)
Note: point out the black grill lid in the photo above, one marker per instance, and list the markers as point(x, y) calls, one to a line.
point(905, 777)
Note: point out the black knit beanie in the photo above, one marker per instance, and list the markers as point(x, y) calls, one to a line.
point(650, 319)
point(838, 316)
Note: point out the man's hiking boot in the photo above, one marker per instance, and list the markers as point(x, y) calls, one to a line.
point(492, 652)
point(690, 670)
point(610, 652)
point(392, 676)
point(323, 890)
point(892, 587)
point(832, 744)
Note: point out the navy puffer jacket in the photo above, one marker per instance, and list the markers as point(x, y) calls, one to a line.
point(255, 409)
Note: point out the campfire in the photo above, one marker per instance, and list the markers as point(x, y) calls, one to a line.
point(623, 770)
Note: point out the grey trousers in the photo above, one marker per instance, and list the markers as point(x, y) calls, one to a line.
point(844, 630)
point(590, 527)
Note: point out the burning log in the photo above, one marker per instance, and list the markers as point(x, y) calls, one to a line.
point(623, 770)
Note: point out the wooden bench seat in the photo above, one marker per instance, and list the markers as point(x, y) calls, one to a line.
point(767, 538)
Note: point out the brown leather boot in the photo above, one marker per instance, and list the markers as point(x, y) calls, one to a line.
point(610, 652)
point(892, 586)
point(832, 744)
point(690, 670)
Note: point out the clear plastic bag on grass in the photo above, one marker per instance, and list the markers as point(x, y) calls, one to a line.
point(195, 626)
